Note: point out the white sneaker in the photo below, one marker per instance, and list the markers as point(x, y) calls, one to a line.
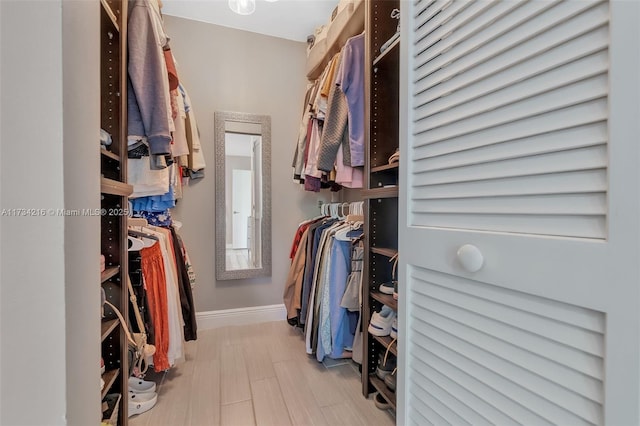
point(141, 386)
point(380, 324)
point(141, 402)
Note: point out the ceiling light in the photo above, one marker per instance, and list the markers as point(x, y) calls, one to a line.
point(243, 7)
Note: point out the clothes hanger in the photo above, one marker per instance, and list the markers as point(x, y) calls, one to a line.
point(343, 216)
point(135, 244)
point(147, 239)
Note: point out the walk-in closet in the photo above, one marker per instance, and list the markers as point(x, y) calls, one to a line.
point(327, 212)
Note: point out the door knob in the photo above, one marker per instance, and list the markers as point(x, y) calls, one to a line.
point(470, 257)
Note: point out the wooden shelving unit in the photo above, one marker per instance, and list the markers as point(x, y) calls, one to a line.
point(384, 168)
point(114, 192)
point(109, 273)
point(382, 100)
point(385, 299)
point(388, 252)
point(107, 327)
point(114, 187)
point(386, 342)
point(389, 192)
point(109, 378)
point(110, 154)
point(379, 386)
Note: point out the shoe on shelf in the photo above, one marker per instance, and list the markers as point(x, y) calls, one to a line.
point(102, 367)
point(141, 386)
point(141, 402)
point(386, 365)
point(390, 380)
point(380, 324)
point(386, 288)
point(380, 402)
point(394, 329)
point(395, 290)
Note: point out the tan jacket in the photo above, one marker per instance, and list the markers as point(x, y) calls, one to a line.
point(293, 284)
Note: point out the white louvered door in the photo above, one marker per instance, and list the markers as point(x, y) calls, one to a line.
point(519, 136)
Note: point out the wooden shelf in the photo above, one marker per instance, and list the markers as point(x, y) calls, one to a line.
point(107, 327)
point(386, 342)
point(109, 273)
point(112, 16)
point(109, 154)
point(385, 167)
point(386, 299)
point(389, 192)
point(386, 52)
point(113, 187)
point(384, 390)
point(384, 251)
point(348, 23)
point(109, 377)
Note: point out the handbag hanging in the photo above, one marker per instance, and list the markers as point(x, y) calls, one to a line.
point(137, 341)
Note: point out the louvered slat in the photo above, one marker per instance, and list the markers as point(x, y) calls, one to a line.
point(522, 347)
point(428, 13)
point(577, 137)
point(464, 373)
point(562, 333)
point(539, 371)
point(506, 69)
point(558, 311)
point(479, 363)
point(593, 227)
point(460, 393)
point(426, 389)
point(572, 359)
point(449, 415)
point(555, 183)
point(561, 204)
point(467, 103)
point(563, 161)
point(532, 33)
point(456, 8)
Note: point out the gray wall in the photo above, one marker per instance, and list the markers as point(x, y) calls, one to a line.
point(230, 70)
point(49, 292)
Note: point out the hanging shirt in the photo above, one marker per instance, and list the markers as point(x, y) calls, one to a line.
point(351, 80)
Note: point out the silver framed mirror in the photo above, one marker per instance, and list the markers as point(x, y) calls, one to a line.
point(243, 195)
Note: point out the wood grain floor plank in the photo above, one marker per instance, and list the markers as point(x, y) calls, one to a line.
point(268, 403)
point(238, 414)
point(204, 401)
point(257, 358)
point(234, 377)
point(172, 407)
point(229, 378)
point(302, 406)
point(342, 414)
point(325, 390)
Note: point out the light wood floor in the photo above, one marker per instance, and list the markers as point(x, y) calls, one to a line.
point(259, 375)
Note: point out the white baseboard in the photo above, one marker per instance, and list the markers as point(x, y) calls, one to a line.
point(240, 316)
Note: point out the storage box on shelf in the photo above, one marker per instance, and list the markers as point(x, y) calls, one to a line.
point(347, 23)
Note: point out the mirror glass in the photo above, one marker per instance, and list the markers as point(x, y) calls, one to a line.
point(243, 222)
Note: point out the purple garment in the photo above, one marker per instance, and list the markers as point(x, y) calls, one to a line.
point(351, 81)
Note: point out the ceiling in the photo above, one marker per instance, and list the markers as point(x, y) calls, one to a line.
point(289, 19)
